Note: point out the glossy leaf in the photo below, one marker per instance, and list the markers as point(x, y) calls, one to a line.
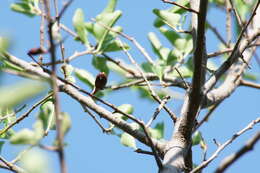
point(196, 138)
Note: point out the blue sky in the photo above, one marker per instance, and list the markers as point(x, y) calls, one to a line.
point(89, 150)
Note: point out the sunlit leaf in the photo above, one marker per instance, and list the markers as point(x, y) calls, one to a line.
point(25, 136)
point(38, 158)
point(128, 140)
point(169, 18)
point(18, 93)
point(79, 25)
point(85, 77)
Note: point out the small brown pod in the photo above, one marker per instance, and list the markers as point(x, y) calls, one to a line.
point(100, 82)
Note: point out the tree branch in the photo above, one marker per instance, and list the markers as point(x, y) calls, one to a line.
point(223, 146)
point(228, 161)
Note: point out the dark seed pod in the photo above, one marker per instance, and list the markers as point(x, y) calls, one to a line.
point(100, 82)
point(36, 51)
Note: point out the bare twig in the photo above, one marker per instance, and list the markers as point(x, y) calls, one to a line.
point(249, 84)
point(181, 6)
point(26, 114)
point(218, 35)
point(228, 22)
point(233, 57)
point(238, 18)
point(132, 39)
point(104, 130)
point(157, 111)
point(58, 118)
point(153, 94)
point(206, 117)
point(11, 166)
point(143, 151)
point(224, 145)
point(155, 153)
point(228, 161)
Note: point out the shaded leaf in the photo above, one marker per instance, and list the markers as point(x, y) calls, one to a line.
point(79, 25)
point(100, 63)
point(158, 131)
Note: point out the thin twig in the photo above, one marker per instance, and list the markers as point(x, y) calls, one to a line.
point(218, 35)
point(238, 18)
point(26, 114)
point(58, 118)
point(228, 161)
point(228, 22)
point(104, 130)
point(11, 166)
point(153, 94)
point(223, 146)
point(181, 6)
point(143, 152)
point(249, 84)
point(232, 58)
point(155, 153)
point(157, 111)
point(209, 113)
point(132, 39)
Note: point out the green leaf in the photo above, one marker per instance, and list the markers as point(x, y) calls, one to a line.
point(1, 146)
point(4, 44)
point(112, 66)
point(85, 77)
point(251, 76)
point(196, 138)
point(185, 72)
point(126, 108)
point(35, 161)
point(169, 18)
point(104, 20)
point(79, 25)
point(38, 130)
point(158, 131)
point(175, 9)
point(46, 114)
point(147, 67)
point(128, 140)
point(25, 7)
point(169, 34)
point(158, 69)
point(19, 92)
point(110, 6)
point(25, 136)
point(100, 63)
point(161, 51)
point(65, 123)
point(114, 46)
